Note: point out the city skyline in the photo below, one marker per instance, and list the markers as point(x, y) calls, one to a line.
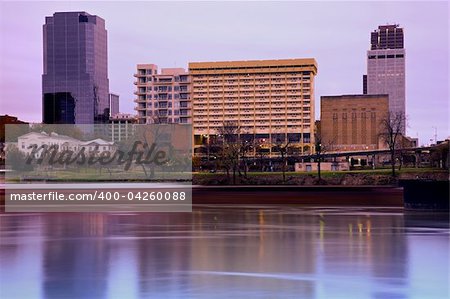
point(184, 38)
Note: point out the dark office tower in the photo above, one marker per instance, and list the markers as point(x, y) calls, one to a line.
point(364, 84)
point(75, 85)
point(386, 67)
point(387, 37)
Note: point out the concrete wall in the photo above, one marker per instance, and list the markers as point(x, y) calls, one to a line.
point(327, 166)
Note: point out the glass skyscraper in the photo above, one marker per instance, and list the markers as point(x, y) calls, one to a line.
point(386, 67)
point(75, 85)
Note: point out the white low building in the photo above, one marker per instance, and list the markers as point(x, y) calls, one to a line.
point(99, 144)
point(27, 143)
point(39, 140)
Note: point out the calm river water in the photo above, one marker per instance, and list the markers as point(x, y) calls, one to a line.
point(226, 252)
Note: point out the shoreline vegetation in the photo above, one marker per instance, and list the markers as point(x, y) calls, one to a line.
point(377, 177)
point(339, 178)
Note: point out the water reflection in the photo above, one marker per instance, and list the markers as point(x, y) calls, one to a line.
point(224, 252)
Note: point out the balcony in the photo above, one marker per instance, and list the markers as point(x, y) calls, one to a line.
point(161, 113)
point(164, 80)
point(184, 79)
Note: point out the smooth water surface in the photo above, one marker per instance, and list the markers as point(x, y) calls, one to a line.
point(226, 252)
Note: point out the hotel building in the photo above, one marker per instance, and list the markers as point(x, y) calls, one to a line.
point(352, 122)
point(268, 99)
point(162, 97)
point(386, 67)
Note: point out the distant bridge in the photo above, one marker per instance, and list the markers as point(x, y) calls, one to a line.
point(415, 150)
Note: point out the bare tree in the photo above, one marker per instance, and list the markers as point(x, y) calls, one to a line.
point(247, 145)
point(156, 136)
point(322, 145)
point(261, 155)
point(282, 147)
point(230, 135)
point(392, 126)
point(319, 149)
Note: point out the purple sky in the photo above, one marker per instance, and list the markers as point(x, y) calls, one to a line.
point(171, 34)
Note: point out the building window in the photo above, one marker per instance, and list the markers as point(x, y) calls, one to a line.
point(83, 19)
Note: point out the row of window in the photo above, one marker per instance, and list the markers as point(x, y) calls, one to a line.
point(163, 105)
point(257, 98)
point(354, 115)
point(149, 72)
point(243, 105)
point(252, 81)
point(266, 116)
point(231, 91)
point(296, 73)
point(164, 88)
point(255, 127)
point(386, 56)
point(166, 112)
point(168, 120)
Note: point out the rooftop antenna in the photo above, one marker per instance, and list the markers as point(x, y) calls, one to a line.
point(435, 134)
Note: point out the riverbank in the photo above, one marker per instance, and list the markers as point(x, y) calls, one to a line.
point(354, 188)
point(379, 177)
point(300, 195)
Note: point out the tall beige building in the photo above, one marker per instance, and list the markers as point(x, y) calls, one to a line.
point(162, 97)
point(352, 122)
point(268, 99)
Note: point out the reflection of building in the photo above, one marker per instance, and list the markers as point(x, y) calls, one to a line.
point(352, 122)
point(163, 97)
point(65, 266)
point(268, 99)
point(386, 67)
point(75, 84)
point(122, 126)
point(113, 104)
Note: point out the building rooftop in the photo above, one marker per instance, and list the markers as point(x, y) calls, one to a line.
point(253, 63)
point(271, 65)
point(355, 96)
